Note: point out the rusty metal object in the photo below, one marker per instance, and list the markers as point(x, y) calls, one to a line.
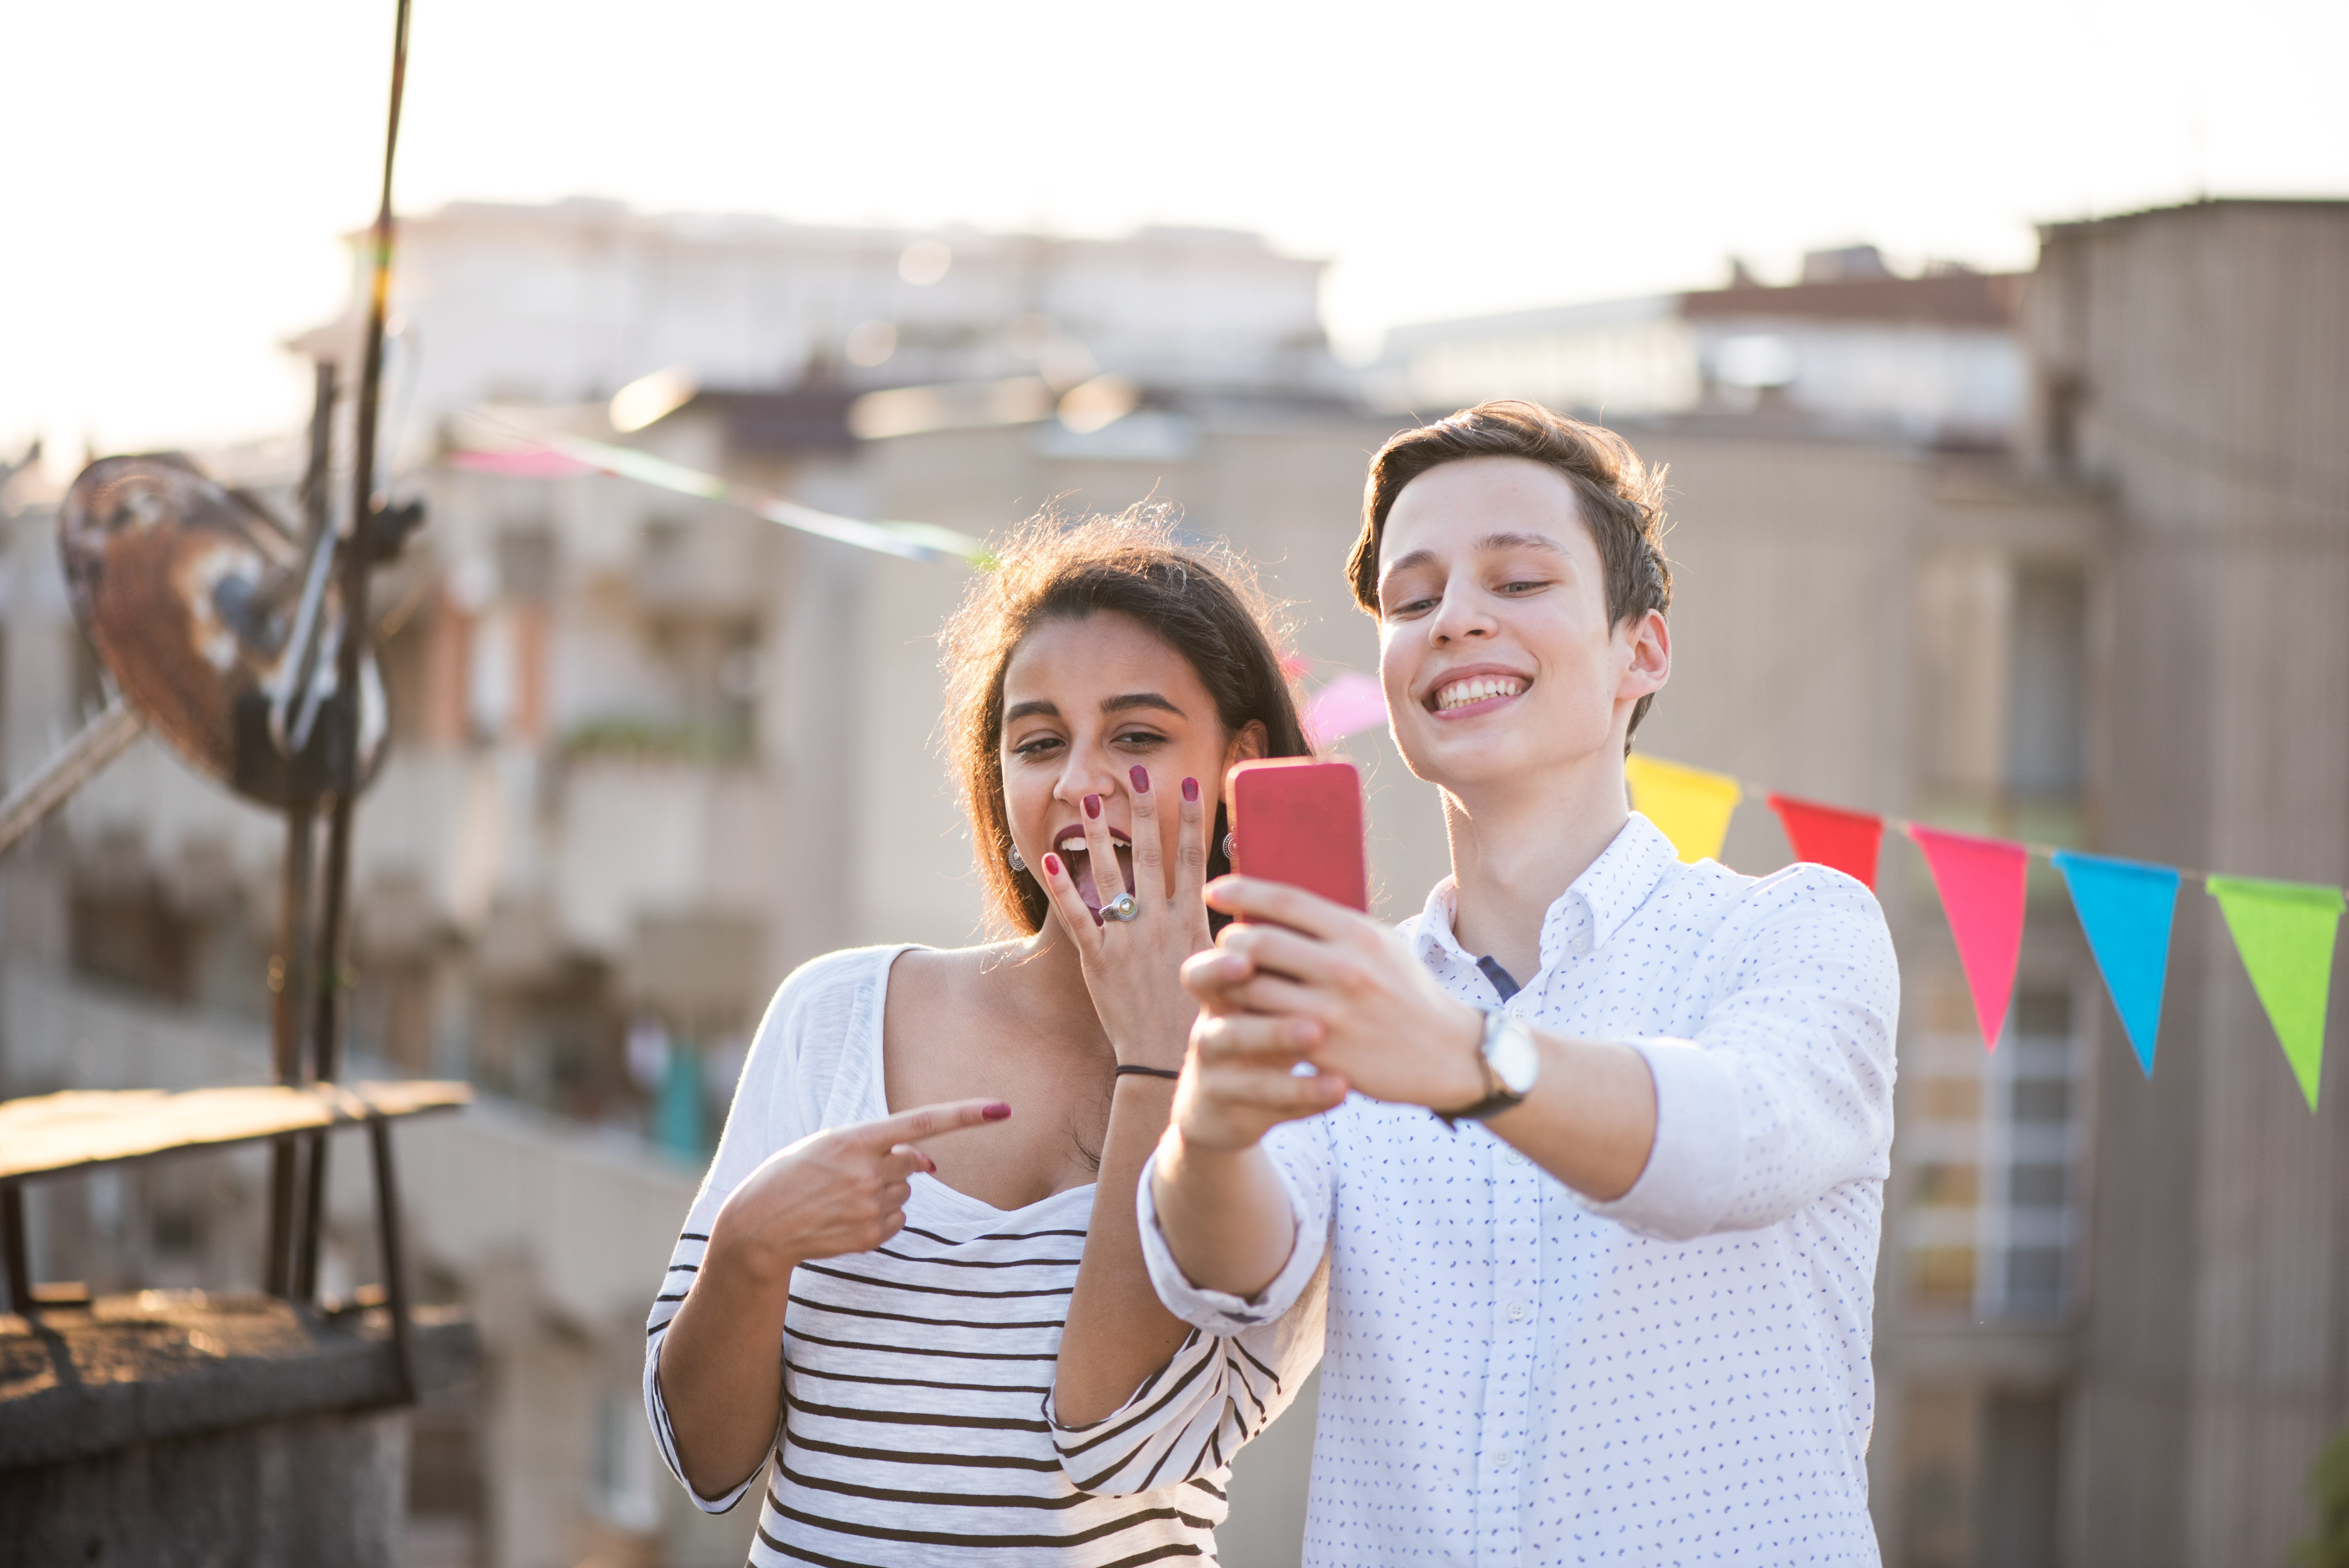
point(182, 586)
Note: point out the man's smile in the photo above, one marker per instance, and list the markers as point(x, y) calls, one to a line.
point(1467, 693)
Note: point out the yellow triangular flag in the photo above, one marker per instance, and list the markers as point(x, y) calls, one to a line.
point(1690, 805)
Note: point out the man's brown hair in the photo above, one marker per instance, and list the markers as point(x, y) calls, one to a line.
point(1622, 499)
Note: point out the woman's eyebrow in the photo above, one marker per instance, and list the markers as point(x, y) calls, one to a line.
point(1134, 699)
point(1042, 708)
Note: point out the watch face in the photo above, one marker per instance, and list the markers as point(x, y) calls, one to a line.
point(1514, 1060)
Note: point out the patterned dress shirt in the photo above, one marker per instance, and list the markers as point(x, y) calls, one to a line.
point(1516, 1374)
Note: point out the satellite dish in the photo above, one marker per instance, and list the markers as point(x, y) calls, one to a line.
point(217, 627)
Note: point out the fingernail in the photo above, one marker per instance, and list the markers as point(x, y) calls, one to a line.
point(996, 1111)
point(1092, 805)
point(1190, 789)
point(1052, 865)
point(1140, 777)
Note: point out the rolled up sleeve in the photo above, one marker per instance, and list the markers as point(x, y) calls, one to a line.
point(1786, 1092)
point(1304, 1161)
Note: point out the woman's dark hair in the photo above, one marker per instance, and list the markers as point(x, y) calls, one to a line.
point(1202, 603)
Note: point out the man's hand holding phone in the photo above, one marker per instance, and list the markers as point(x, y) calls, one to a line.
point(1298, 978)
point(1303, 977)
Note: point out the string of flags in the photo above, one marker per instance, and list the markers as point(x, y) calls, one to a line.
point(2283, 931)
point(556, 456)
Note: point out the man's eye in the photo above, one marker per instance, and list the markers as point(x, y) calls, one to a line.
point(1410, 607)
point(1525, 586)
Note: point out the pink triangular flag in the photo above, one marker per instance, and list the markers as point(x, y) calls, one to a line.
point(1981, 887)
point(1352, 702)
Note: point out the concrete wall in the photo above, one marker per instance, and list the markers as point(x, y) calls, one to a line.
point(276, 1494)
point(2196, 361)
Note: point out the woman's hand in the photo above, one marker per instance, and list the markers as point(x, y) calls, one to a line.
point(1133, 967)
point(833, 1192)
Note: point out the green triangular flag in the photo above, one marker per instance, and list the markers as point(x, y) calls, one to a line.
point(2284, 933)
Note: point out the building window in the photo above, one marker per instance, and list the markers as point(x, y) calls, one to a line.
point(1993, 1144)
point(2004, 685)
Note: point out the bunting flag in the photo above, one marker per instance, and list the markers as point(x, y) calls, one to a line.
point(1981, 885)
point(1849, 841)
point(1691, 806)
point(1348, 704)
point(2125, 908)
point(2284, 933)
point(554, 455)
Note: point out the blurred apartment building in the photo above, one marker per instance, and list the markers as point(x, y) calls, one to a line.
point(2056, 556)
point(1850, 349)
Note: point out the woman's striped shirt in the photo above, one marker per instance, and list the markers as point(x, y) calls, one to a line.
point(917, 1425)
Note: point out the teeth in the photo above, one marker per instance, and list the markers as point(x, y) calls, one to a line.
point(1074, 844)
point(1476, 688)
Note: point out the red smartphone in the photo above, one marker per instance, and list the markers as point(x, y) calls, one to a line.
point(1299, 821)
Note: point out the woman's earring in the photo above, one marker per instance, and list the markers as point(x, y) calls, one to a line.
point(1231, 850)
point(1016, 863)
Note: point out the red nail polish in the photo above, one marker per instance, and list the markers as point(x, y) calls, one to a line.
point(996, 1111)
point(1190, 789)
point(1092, 805)
point(1140, 777)
point(1052, 865)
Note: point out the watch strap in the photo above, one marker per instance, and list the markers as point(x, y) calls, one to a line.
point(1498, 1096)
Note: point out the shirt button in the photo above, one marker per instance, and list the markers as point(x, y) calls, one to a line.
point(1505, 1459)
point(1517, 1310)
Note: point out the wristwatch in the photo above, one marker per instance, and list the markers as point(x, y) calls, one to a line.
point(1511, 1064)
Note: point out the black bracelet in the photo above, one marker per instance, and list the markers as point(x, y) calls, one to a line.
point(1125, 1067)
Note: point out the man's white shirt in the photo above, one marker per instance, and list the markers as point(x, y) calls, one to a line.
point(1516, 1374)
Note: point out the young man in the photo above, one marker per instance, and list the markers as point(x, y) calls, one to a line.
point(1611, 1302)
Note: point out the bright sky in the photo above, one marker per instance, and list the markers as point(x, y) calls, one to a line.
point(179, 174)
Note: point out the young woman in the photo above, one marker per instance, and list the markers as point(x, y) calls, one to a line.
point(899, 1236)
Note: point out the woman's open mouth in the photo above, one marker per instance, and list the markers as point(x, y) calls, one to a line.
point(1472, 695)
point(1079, 860)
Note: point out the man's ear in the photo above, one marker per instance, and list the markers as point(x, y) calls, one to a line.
point(1651, 657)
point(1247, 746)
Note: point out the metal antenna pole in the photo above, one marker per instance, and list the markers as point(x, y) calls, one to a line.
point(292, 970)
point(334, 935)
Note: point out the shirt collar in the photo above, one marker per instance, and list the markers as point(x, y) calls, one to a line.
point(1589, 911)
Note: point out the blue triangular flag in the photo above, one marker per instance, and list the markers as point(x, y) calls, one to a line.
point(2126, 908)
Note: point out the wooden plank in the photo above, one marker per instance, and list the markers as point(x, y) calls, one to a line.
point(46, 1134)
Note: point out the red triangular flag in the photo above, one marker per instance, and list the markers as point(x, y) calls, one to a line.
point(1981, 887)
point(1830, 836)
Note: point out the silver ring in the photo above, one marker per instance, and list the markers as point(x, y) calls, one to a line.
point(1121, 908)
